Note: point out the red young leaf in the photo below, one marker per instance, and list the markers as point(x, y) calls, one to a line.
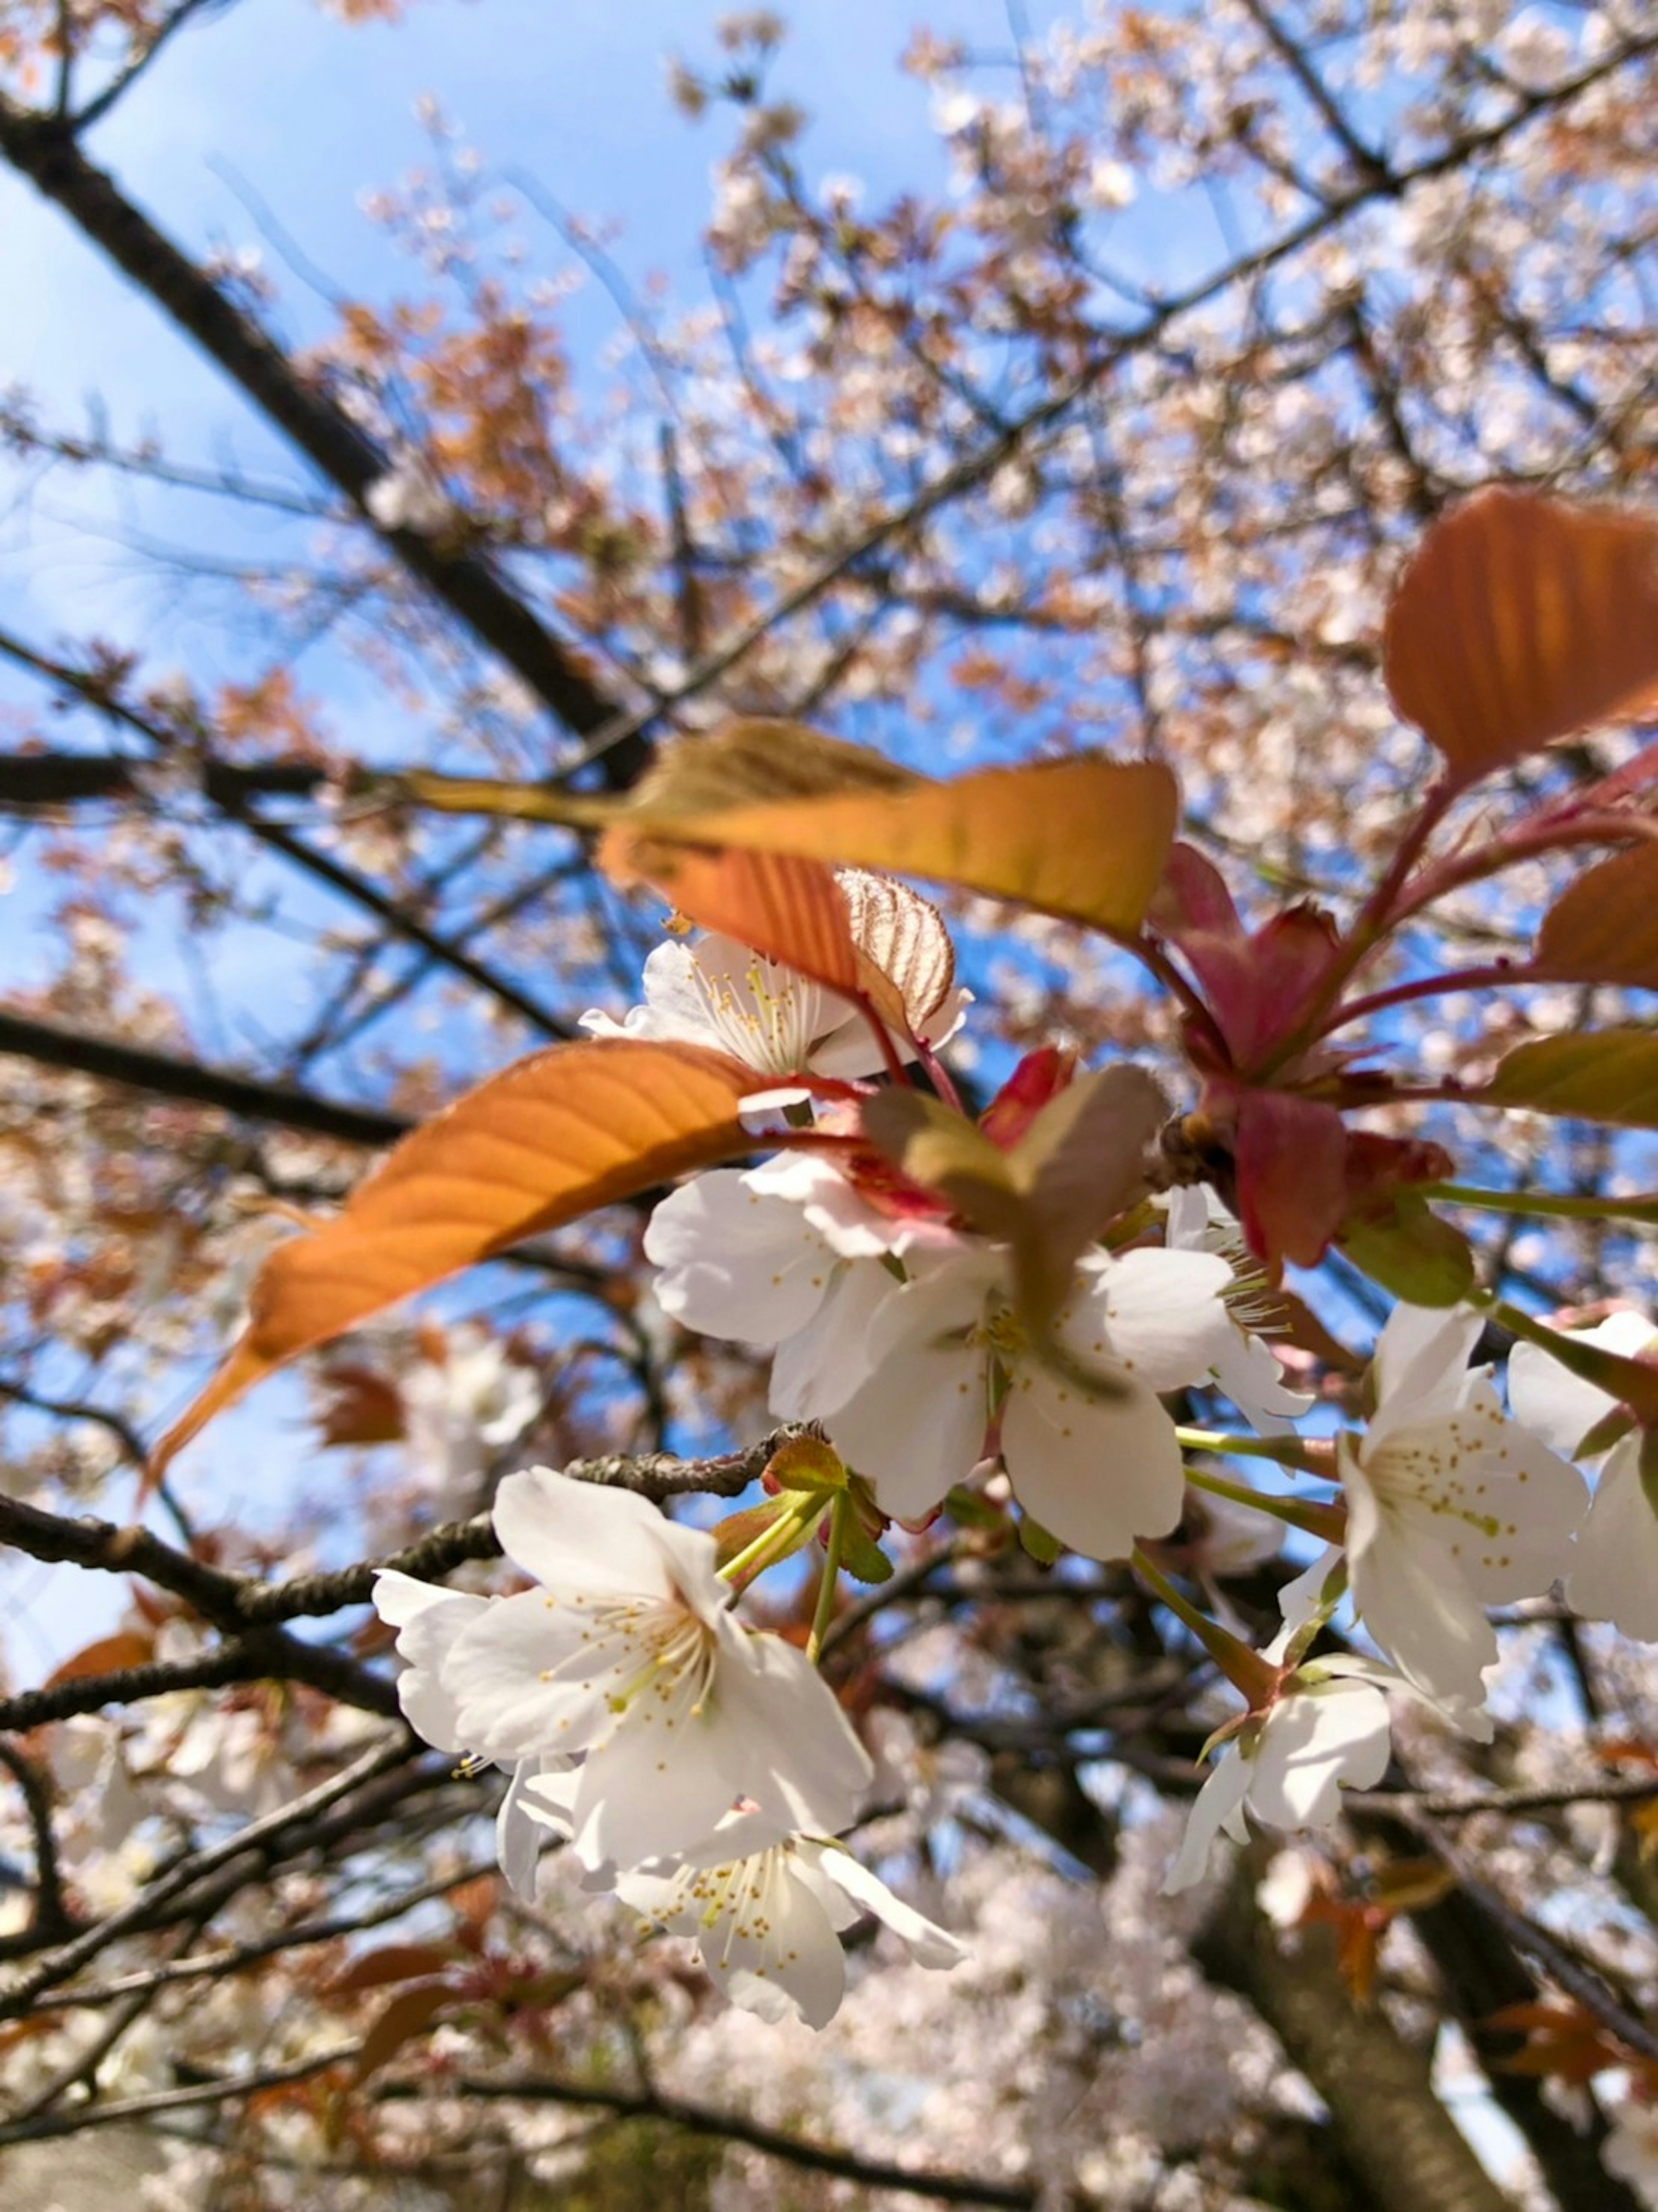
point(1291, 1157)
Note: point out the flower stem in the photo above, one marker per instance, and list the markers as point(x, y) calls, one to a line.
point(1328, 1522)
point(1307, 1457)
point(830, 1580)
point(784, 1535)
point(1255, 1678)
point(1546, 1203)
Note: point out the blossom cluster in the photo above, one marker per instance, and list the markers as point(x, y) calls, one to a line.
point(702, 1770)
point(698, 1768)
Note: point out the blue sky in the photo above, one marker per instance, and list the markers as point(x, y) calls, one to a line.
point(276, 106)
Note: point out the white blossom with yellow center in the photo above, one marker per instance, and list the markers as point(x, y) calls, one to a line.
point(766, 1910)
point(629, 1653)
point(1451, 1508)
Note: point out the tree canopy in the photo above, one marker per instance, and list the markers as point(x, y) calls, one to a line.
point(968, 896)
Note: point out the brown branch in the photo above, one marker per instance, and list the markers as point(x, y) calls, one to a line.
point(656, 1476)
point(172, 1075)
point(98, 691)
point(733, 2127)
point(40, 783)
point(218, 1966)
point(50, 1918)
point(268, 1656)
point(383, 1761)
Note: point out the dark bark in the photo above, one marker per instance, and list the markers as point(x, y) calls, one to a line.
point(171, 1075)
point(1395, 2132)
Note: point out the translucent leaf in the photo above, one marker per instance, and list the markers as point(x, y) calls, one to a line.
point(1084, 839)
point(903, 937)
point(758, 759)
point(403, 2017)
point(1410, 1251)
point(792, 910)
point(1604, 927)
point(1079, 1163)
point(569, 1129)
point(1521, 619)
point(391, 1963)
point(1604, 1075)
point(110, 1655)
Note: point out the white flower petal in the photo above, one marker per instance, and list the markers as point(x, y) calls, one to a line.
point(1157, 1311)
point(927, 1943)
point(511, 1704)
point(1561, 1407)
point(518, 1834)
point(1421, 1362)
point(1219, 1805)
point(428, 1619)
point(780, 1737)
point(1616, 1577)
point(819, 1367)
point(763, 1933)
point(1426, 1620)
point(577, 1536)
point(736, 1263)
point(1316, 1739)
point(1300, 1599)
point(916, 1426)
point(1097, 1473)
point(641, 1793)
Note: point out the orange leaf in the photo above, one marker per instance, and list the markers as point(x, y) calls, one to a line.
point(569, 1129)
point(108, 1656)
point(1520, 619)
point(1085, 838)
point(391, 1962)
point(363, 1408)
point(1604, 927)
point(404, 2017)
point(793, 911)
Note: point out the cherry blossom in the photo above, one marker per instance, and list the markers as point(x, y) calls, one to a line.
point(1322, 1732)
point(1242, 1365)
point(767, 1910)
point(717, 991)
point(1616, 1574)
point(629, 1652)
point(428, 1621)
point(1630, 2150)
point(463, 1409)
point(1097, 1470)
point(787, 1255)
point(1451, 1508)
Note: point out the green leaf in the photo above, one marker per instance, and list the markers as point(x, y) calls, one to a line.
point(1605, 1075)
point(861, 1556)
point(1410, 1251)
point(971, 1509)
point(1036, 1542)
